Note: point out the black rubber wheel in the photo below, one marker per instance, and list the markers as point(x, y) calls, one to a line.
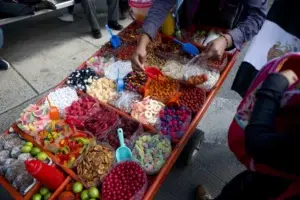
point(191, 149)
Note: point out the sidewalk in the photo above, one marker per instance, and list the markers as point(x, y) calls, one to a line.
point(44, 50)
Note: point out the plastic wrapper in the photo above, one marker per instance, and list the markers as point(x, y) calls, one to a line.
point(151, 152)
point(14, 170)
point(22, 182)
point(134, 182)
point(4, 155)
point(16, 151)
point(174, 121)
point(173, 69)
point(10, 144)
point(198, 73)
point(24, 156)
point(98, 64)
point(211, 36)
point(4, 137)
point(8, 163)
point(125, 100)
point(121, 67)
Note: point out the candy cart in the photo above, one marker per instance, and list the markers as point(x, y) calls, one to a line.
point(72, 131)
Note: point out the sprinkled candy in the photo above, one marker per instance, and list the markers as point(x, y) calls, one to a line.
point(151, 151)
point(80, 79)
point(174, 121)
point(135, 80)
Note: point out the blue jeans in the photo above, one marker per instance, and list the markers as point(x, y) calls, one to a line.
point(1, 38)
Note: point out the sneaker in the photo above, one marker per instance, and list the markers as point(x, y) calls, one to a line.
point(202, 194)
point(96, 34)
point(4, 65)
point(115, 25)
point(67, 17)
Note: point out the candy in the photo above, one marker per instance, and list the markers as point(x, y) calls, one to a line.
point(98, 64)
point(95, 164)
point(151, 151)
point(126, 181)
point(134, 81)
point(146, 111)
point(173, 69)
point(174, 121)
point(103, 89)
point(62, 98)
point(193, 98)
point(125, 99)
point(80, 79)
point(125, 52)
point(123, 68)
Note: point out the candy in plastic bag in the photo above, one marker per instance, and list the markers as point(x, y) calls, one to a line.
point(8, 163)
point(10, 144)
point(16, 151)
point(5, 137)
point(125, 100)
point(121, 67)
point(4, 155)
point(24, 156)
point(22, 182)
point(13, 171)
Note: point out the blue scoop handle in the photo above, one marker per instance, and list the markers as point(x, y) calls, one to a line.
point(109, 30)
point(121, 137)
point(178, 41)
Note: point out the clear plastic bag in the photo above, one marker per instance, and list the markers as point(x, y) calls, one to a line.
point(125, 100)
point(199, 74)
point(98, 64)
point(151, 152)
point(121, 67)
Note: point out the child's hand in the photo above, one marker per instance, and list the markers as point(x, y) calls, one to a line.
point(290, 76)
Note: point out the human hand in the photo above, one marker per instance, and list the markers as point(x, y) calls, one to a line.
point(139, 56)
point(216, 48)
point(290, 76)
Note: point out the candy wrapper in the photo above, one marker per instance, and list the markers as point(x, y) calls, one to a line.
point(174, 121)
point(151, 151)
point(198, 73)
point(125, 99)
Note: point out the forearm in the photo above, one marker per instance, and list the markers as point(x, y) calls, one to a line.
point(250, 26)
point(156, 16)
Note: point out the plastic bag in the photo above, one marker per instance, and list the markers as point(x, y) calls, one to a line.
point(14, 170)
point(4, 155)
point(16, 151)
point(98, 64)
point(125, 100)
point(174, 121)
point(10, 144)
point(111, 71)
point(198, 73)
point(151, 152)
point(22, 182)
point(173, 69)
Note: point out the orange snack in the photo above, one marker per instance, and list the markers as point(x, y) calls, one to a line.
point(197, 80)
point(161, 89)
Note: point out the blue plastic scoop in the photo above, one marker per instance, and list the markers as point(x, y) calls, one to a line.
point(114, 40)
point(188, 48)
point(120, 83)
point(123, 153)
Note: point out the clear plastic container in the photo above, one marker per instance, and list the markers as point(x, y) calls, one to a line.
point(140, 9)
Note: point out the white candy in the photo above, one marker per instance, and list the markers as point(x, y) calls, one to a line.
point(111, 71)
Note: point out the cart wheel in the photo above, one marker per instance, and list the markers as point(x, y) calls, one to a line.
point(191, 149)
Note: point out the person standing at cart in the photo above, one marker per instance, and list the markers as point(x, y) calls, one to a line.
point(243, 19)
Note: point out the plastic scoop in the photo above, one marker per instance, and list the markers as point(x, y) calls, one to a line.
point(114, 40)
point(188, 48)
point(123, 153)
point(153, 72)
point(120, 83)
point(54, 112)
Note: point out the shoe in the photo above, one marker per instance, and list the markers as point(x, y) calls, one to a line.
point(44, 5)
point(67, 17)
point(96, 34)
point(202, 194)
point(4, 65)
point(115, 25)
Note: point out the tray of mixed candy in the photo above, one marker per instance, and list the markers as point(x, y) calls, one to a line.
point(75, 124)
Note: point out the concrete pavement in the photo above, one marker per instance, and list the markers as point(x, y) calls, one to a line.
point(44, 50)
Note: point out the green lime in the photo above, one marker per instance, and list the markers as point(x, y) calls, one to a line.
point(92, 199)
point(37, 197)
point(47, 196)
point(26, 149)
point(41, 156)
point(28, 144)
point(34, 151)
point(44, 191)
point(77, 187)
point(84, 195)
point(93, 192)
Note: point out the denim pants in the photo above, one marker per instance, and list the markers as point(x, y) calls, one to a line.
point(1, 38)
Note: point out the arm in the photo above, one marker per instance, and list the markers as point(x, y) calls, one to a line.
point(249, 27)
point(262, 142)
point(156, 16)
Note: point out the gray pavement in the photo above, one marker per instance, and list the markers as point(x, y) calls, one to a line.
point(44, 50)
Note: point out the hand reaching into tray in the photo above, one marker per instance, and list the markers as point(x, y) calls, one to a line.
point(139, 55)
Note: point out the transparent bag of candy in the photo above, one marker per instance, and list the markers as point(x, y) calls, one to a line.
point(138, 195)
point(167, 126)
point(125, 99)
point(142, 147)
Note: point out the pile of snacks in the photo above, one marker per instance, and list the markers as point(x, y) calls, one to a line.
point(125, 99)
point(174, 121)
point(103, 89)
point(135, 81)
point(34, 119)
point(161, 89)
point(76, 190)
point(80, 79)
point(193, 98)
point(125, 181)
point(101, 123)
point(95, 164)
point(125, 52)
point(173, 69)
point(147, 111)
point(151, 151)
